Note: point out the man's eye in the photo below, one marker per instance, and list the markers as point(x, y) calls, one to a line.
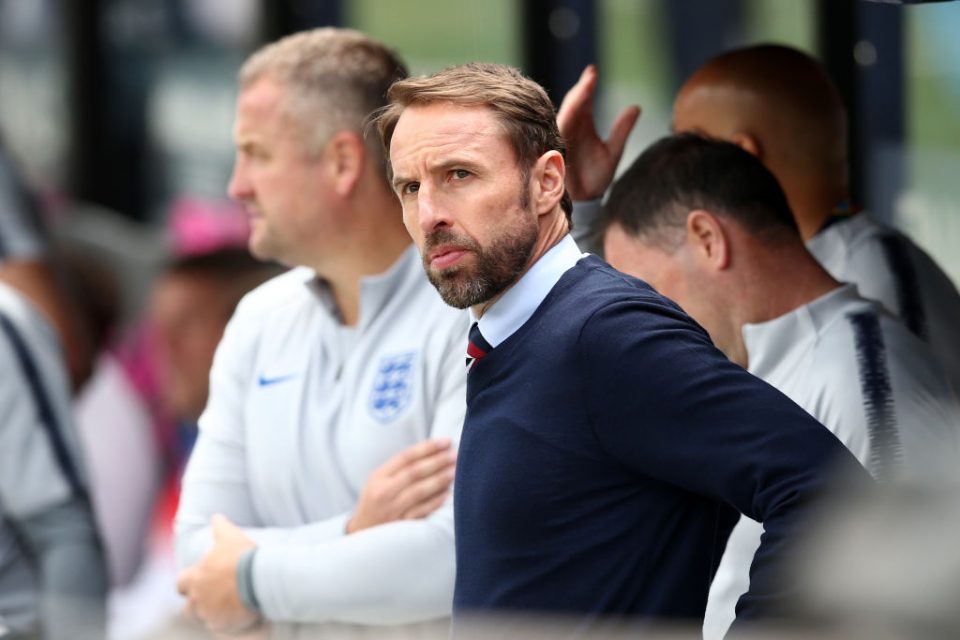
point(411, 187)
point(460, 174)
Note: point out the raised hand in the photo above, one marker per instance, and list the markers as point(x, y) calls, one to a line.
point(591, 161)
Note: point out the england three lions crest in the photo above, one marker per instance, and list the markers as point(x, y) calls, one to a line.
point(392, 387)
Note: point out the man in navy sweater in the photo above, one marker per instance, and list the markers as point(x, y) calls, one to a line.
point(608, 446)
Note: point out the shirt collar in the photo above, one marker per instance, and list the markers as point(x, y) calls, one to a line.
point(518, 303)
point(769, 343)
point(376, 290)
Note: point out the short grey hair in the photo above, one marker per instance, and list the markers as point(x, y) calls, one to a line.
point(336, 78)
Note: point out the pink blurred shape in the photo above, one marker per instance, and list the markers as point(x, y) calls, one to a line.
point(199, 225)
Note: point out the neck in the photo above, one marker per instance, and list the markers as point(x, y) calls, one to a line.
point(812, 203)
point(376, 240)
point(764, 295)
point(553, 228)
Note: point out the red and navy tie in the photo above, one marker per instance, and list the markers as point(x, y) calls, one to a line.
point(477, 347)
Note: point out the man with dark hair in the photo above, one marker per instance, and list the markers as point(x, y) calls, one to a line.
point(780, 105)
point(607, 443)
point(318, 490)
point(707, 225)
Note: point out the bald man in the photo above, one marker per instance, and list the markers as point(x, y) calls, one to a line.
point(780, 105)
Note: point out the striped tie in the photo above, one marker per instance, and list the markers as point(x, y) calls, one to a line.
point(477, 347)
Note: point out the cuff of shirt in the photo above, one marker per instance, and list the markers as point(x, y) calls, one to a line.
point(248, 595)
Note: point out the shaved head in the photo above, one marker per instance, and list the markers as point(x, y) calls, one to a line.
point(776, 98)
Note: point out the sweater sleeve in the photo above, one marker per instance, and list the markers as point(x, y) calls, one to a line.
point(664, 402)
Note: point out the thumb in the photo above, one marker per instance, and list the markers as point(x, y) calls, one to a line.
point(221, 526)
point(184, 581)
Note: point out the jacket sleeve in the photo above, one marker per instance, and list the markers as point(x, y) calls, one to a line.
point(666, 403)
point(71, 567)
point(215, 479)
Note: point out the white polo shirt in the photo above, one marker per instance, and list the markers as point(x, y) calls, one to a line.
point(301, 410)
point(871, 382)
point(887, 266)
point(39, 462)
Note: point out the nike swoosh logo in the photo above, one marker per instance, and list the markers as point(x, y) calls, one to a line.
point(264, 381)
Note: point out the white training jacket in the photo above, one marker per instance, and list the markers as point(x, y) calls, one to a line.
point(46, 527)
point(888, 267)
point(301, 410)
point(875, 385)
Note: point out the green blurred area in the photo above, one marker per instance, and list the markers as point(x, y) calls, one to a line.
point(431, 35)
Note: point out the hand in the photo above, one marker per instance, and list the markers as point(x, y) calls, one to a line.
point(412, 484)
point(591, 162)
point(211, 585)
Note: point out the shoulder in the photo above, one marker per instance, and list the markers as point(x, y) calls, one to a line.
point(605, 295)
point(278, 293)
point(868, 345)
point(867, 240)
point(276, 307)
point(610, 314)
point(22, 321)
point(417, 310)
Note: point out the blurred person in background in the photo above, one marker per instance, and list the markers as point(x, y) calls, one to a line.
point(27, 264)
point(53, 574)
point(115, 427)
point(318, 490)
point(780, 105)
point(191, 300)
point(709, 227)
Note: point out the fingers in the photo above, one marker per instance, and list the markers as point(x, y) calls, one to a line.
point(621, 129)
point(411, 455)
point(427, 507)
point(419, 495)
point(426, 467)
point(578, 103)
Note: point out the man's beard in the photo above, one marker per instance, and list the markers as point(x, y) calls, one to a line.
point(496, 267)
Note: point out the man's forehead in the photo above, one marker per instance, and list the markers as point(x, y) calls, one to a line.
point(443, 127)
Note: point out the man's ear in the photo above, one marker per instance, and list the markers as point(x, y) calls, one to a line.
point(749, 143)
point(547, 182)
point(345, 156)
point(708, 240)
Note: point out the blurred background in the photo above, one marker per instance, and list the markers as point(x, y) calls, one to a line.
point(118, 110)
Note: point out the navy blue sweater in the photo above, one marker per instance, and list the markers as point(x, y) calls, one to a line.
point(607, 447)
